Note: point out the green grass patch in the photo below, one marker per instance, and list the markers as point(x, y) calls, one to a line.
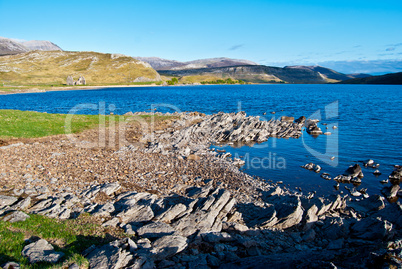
point(71, 237)
point(29, 124)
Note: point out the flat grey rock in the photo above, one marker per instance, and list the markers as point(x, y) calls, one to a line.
point(155, 230)
point(41, 251)
point(16, 216)
point(109, 257)
point(168, 246)
point(110, 188)
point(7, 200)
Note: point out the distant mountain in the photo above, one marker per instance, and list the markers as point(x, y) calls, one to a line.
point(329, 74)
point(10, 46)
point(53, 67)
point(262, 74)
point(164, 64)
point(159, 63)
point(41, 45)
point(391, 79)
point(252, 73)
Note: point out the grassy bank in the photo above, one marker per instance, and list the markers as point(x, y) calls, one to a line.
point(71, 237)
point(29, 124)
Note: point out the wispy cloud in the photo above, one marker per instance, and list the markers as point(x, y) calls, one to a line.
point(236, 47)
point(395, 45)
point(390, 49)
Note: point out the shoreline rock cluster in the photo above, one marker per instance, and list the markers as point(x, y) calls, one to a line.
point(205, 222)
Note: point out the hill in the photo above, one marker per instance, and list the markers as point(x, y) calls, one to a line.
point(53, 67)
point(164, 64)
point(391, 79)
point(262, 74)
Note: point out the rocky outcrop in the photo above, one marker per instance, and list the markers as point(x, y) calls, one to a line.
point(219, 128)
point(208, 227)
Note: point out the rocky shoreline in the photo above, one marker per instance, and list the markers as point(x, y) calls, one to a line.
point(183, 205)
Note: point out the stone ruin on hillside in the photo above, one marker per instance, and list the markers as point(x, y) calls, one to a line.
point(80, 81)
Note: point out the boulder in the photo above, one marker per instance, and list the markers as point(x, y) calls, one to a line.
point(353, 171)
point(16, 216)
point(114, 255)
point(392, 213)
point(7, 200)
point(155, 230)
point(289, 211)
point(391, 191)
point(207, 217)
point(172, 212)
point(23, 204)
point(41, 251)
point(104, 210)
point(301, 120)
point(110, 188)
point(369, 205)
point(396, 175)
point(371, 229)
point(168, 246)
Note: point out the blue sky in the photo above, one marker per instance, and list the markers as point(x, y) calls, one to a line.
point(267, 32)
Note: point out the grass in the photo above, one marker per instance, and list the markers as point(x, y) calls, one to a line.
point(71, 237)
point(29, 124)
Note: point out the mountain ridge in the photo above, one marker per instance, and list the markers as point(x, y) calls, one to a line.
point(265, 74)
point(9, 46)
point(165, 64)
point(387, 79)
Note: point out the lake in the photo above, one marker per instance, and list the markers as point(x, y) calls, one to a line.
point(368, 120)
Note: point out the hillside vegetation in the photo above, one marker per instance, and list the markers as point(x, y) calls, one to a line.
point(53, 67)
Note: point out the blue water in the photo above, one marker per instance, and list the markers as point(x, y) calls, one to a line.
point(368, 118)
